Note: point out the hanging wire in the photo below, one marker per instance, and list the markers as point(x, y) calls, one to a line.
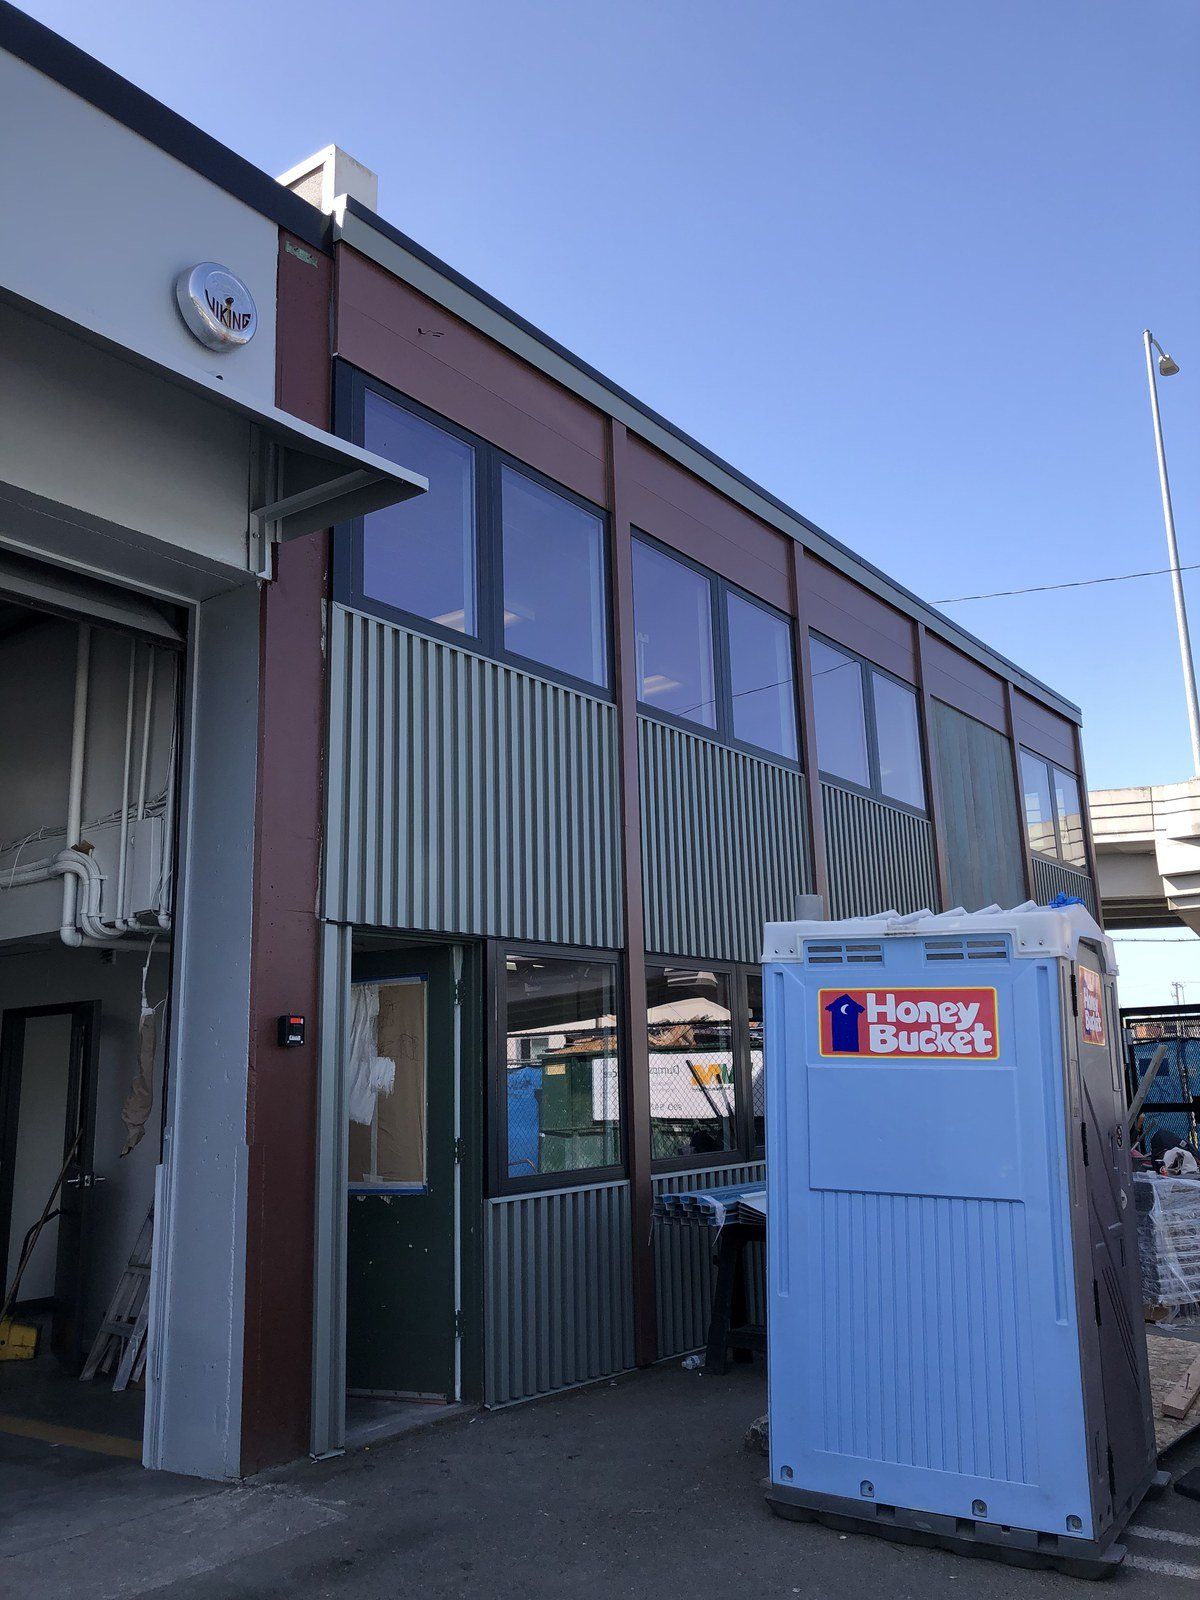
point(1078, 583)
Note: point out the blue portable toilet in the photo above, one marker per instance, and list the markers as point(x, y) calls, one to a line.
point(957, 1351)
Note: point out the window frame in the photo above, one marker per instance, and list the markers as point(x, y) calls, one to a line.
point(499, 1181)
point(351, 386)
point(1058, 858)
point(744, 1148)
point(874, 791)
point(719, 589)
point(492, 573)
point(398, 1187)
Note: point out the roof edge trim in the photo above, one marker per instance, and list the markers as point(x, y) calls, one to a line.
point(83, 75)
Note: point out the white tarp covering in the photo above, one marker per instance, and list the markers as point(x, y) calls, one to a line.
point(370, 1074)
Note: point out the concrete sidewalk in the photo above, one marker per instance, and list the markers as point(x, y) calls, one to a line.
point(636, 1488)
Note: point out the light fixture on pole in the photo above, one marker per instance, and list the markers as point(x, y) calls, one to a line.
point(1167, 369)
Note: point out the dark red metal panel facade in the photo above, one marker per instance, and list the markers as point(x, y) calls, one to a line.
point(849, 614)
point(281, 1108)
point(962, 683)
point(386, 328)
point(1043, 730)
point(688, 514)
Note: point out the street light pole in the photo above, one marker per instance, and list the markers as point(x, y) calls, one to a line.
point(1168, 368)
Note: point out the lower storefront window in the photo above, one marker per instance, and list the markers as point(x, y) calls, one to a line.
point(562, 1066)
point(693, 1095)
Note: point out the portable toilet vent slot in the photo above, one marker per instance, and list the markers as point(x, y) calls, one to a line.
point(839, 954)
point(965, 949)
point(957, 1352)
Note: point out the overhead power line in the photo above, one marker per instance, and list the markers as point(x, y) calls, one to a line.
point(1079, 583)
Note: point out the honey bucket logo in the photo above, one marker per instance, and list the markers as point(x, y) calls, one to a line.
point(1091, 996)
point(899, 1024)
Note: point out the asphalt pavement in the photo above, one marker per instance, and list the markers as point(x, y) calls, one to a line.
point(640, 1487)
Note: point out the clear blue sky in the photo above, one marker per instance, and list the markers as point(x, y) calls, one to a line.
point(891, 260)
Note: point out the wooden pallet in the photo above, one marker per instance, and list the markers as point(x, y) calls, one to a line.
point(122, 1337)
point(1170, 1358)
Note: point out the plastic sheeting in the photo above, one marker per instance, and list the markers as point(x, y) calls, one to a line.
point(1169, 1239)
point(140, 1100)
point(370, 1074)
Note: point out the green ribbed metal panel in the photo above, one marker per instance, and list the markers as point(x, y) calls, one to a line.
point(465, 796)
point(979, 812)
point(683, 1264)
point(1051, 878)
point(724, 844)
point(879, 857)
point(558, 1290)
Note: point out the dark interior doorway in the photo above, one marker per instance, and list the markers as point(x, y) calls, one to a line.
point(48, 1059)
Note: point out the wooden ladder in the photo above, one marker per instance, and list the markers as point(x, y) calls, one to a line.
point(122, 1336)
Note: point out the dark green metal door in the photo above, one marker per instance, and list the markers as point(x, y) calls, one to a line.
point(402, 1271)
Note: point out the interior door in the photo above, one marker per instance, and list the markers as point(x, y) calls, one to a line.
point(47, 1111)
point(401, 1260)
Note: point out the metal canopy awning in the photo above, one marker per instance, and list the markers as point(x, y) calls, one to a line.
point(316, 478)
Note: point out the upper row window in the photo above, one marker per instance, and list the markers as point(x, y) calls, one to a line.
point(1053, 816)
point(711, 656)
point(492, 552)
point(867, 727)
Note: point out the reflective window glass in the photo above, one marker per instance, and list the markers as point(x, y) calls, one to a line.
point(1070, 819)
point(672, 608)
point(420, 555)
point(760, 667)
point(386, 1095)
point(758, 1082)
point(690, 1033)
point(840, 717)
point(1039, 810)
point(562, 1066)
point(555, 598)
point(898, 737)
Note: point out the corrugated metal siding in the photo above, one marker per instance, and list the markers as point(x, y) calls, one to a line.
point(1051, 878)
point(558, 1288)
point(879, 858)
point(980, 819)
point(724, 844)
point(683, 1266)
point(467, 797)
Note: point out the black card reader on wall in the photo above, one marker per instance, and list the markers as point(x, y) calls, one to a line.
point(291, 1031)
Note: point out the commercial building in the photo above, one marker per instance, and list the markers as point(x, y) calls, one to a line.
point(494, 786)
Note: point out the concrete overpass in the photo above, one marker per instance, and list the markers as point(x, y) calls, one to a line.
point(1148, 854)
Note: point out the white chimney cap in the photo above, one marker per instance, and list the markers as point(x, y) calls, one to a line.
point(325, 177)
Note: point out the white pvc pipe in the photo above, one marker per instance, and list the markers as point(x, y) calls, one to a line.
point(81, 921)
point(83, 647)
point(149, 708)
point(123, 847)
point(166, 869)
